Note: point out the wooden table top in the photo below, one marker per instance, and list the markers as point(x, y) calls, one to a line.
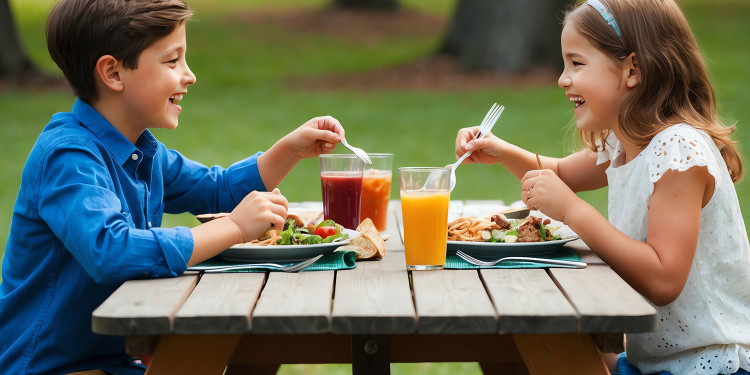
point(382, 298)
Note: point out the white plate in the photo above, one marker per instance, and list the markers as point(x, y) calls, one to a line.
point(496, 250)
point(282, 253)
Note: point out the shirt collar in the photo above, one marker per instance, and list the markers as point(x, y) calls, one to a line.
point(117, 144)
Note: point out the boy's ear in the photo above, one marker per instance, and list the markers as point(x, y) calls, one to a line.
point(631, 71)
point(108, 71)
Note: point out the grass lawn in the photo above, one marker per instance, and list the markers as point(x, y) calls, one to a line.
point(243, 103)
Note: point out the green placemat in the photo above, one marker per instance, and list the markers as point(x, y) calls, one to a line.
point(453, 261)
point(337, 260)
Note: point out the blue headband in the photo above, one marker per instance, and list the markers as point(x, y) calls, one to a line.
point(606, 14)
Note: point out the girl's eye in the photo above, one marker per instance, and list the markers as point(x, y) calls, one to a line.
point(173, 61)
point(576, 63)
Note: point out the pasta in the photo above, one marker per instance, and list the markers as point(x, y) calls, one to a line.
point(470, 228)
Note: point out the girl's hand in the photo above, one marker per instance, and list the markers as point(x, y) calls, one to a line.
point(258, 212)
point(485, 151)
point(543, 190)
point(317, 136)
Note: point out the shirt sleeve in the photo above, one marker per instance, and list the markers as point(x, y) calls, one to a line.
point(79, 205)
point(678, 148)
point(192, 187)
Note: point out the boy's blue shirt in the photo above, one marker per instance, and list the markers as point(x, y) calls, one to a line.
point(88, 218)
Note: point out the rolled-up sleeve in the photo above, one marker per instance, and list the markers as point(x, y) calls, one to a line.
point(190, 186)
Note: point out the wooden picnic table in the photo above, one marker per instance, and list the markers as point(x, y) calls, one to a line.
point(550, 320)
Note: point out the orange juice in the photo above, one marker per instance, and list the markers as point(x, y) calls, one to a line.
point(376, 191)
point(425, 216)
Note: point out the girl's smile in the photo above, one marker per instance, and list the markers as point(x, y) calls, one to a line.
point(593, 82)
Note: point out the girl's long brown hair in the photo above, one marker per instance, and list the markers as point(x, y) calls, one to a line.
point(674, 79)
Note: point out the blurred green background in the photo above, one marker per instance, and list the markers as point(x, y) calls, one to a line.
point(246, 98)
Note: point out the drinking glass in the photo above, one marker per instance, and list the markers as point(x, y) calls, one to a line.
point(376, 190)
point(341, 184)
point(424, 206)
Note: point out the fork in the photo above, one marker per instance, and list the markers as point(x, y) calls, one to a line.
point(489, 121)
point(357, 151)
point(293, 267)
point(556, 262)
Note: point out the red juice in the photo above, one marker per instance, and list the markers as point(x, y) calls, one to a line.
point(342, 193)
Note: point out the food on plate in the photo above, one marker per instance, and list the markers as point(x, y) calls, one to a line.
point(369, 245)
point(295, 231)
point(498, 228)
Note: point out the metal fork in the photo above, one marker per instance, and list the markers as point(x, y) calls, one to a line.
point(293, 267)
point(357, 151)
point(483, 263)
point(489, 121)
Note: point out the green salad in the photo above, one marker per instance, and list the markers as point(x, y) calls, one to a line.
point(294, 235)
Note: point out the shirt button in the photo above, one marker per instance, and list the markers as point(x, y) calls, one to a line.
point(134, 156)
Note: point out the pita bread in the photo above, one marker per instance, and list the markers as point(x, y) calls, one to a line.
point(369, 245)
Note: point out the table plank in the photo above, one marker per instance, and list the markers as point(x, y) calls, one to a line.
point(528, 301)
point(584, 252)
point(220, 304)
point(143, 307)
point(452, 301)
point(604, 301)
point(374, 298)
point(294, 303)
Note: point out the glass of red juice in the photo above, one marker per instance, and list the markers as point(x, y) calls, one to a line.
point(341, 184)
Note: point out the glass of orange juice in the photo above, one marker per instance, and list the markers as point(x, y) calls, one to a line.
point(376, 190)
point(425, 195)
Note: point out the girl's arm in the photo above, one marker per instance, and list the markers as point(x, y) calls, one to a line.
point(579, 170)
point(657, 268)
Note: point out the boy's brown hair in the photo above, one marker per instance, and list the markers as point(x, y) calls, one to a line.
point(674, 79)
point(79, 32)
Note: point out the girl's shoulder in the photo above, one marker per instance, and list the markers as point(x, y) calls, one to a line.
point(679, 147)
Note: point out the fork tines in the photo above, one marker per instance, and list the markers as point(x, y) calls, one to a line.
point(471, 259)
point(490, 120)
point(304, 264)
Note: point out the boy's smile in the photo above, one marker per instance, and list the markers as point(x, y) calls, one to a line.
point(152, 92)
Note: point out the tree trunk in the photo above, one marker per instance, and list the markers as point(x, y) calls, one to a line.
point(505, 35)
point(386, 5)
point(15, 64)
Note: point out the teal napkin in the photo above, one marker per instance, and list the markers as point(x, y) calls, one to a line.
point(453, 261)
point(337, 260)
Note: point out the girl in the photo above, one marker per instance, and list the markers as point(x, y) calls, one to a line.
point(646, 113)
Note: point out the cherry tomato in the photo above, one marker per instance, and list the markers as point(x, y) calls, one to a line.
point(325, 231)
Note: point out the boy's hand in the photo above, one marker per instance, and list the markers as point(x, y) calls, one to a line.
point(486, 151)
point(543, 190)
point(258, 212)
point(317, 136)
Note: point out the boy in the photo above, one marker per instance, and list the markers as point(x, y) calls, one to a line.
point(97, 182)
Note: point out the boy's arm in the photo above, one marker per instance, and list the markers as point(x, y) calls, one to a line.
point(258, 212)
point(315, 137)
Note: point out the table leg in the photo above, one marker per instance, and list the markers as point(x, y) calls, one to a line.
point(188, 354)
point(370, 354)
point(563, 354)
